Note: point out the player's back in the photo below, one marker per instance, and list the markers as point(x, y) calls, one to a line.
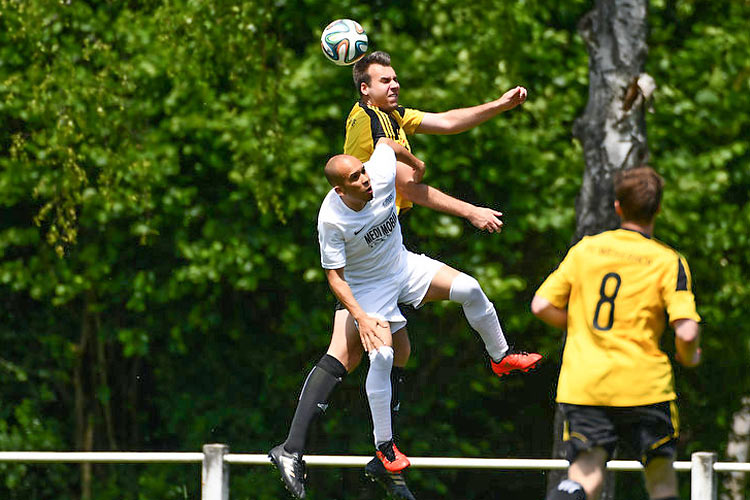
point(622, 285)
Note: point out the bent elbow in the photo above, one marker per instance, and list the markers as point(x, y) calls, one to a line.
point(538, 305)
point(687, 330)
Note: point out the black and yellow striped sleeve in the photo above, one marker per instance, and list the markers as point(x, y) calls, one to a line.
point(410, 119)
point(678, 291)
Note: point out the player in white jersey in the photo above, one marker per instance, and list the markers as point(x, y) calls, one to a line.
point(360, 239)
point(371, 272)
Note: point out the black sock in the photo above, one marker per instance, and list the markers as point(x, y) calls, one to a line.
point(320, 383)
point(397, 386)
point(387, 450)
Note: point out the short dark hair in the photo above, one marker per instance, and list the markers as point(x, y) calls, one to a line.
point(639, 192)
point(359, 72)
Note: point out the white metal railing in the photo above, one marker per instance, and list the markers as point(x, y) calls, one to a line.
point(215, 460)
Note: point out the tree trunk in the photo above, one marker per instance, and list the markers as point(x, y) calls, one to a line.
point(612, 129)
point(737, 451)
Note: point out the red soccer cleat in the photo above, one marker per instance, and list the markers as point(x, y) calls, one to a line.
point(516, 360)
point(393, 460)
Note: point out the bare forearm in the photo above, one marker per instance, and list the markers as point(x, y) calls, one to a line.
point(553, 316)
point(462, 119)
point(687, 342)
point(482, 218)
point(343, 293)
point(430, 197)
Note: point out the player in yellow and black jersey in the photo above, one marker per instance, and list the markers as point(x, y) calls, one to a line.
point(614, 293)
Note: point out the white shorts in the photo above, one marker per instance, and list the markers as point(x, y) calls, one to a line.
point(381, 298)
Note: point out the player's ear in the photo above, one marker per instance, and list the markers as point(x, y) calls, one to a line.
point(364, 88)
point(618, 208)
point(338, 190)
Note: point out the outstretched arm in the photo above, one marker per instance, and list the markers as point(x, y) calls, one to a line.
point(544, 310)
point(409, 171)
point(462, 119)
point(368, 326)
point(687, 341)
point(482, 218)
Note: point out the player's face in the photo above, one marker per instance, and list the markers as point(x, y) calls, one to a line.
point(384, 87)
point(356, 185)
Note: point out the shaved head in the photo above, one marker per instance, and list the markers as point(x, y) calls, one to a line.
point(350, 181)
point(339, 167)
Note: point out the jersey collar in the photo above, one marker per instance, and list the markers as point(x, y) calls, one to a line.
point(636, 231)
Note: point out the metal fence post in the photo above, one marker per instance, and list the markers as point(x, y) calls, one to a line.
point(215, 474)
point(702, 476)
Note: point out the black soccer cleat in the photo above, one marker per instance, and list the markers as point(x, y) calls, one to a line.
point(292, 469)
point(393, 482)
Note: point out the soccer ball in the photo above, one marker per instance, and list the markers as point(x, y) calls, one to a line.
point(344, 42)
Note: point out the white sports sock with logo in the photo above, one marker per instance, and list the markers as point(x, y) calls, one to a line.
point(480, 313)
point(378, 388)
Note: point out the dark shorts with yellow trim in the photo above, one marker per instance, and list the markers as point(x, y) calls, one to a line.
point(650, 430)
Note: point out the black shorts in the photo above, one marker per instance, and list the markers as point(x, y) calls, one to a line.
point(650, 430)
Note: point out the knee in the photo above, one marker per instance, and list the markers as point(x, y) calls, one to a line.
point(381, 359)
point(661, 478)
point(466, 289)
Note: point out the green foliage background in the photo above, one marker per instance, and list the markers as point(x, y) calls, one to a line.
point(160, 175)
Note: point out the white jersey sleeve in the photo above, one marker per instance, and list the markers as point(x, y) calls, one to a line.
point(382, 163)
point(332, 246)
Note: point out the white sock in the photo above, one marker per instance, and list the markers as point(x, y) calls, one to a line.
point(480, 313)
point(378, 388)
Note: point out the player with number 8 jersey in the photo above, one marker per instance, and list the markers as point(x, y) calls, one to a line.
point(614, 293)
point(616, 286)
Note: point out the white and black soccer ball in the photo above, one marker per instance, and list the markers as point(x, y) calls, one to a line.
point(344, 42)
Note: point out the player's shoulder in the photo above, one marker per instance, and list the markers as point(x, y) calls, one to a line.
point(328, 206)
point(591, 239)
point(356, 115)
point(658, 251)
point(667, 251)
point(362, 117)
point(404, 113)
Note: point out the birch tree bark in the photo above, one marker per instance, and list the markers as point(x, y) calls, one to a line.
point(612, 129)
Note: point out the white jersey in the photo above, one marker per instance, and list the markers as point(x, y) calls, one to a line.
point(368, 243)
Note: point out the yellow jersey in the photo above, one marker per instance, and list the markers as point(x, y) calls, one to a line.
point(366, 124)
point(620, 287)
